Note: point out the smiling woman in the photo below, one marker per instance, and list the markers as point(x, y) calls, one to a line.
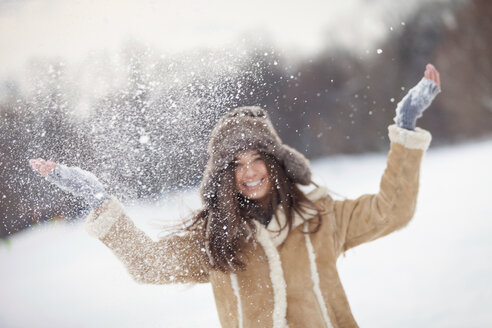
point(251, 174)
point(268, 250)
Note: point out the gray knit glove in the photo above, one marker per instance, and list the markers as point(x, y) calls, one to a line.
point(79, 183)
point(418, 99)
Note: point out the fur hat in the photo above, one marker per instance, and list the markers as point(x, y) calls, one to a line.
point(246, 128)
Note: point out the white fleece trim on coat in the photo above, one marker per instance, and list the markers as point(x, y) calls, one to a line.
point(276, 276)
point(416, 139)
point(98, 225)
point(315, 278)
point(235, 287)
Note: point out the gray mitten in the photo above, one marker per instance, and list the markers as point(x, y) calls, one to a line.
point(418, 99)
point(79, 183)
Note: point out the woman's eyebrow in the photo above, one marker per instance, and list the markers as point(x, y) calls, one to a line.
point(253, 157)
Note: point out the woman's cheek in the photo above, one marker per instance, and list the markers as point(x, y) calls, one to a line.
point(238, 175)
point(261, 168)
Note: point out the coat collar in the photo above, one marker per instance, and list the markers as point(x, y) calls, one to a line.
point(273, 229)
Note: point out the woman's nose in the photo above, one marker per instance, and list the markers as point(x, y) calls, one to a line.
point(249, 171)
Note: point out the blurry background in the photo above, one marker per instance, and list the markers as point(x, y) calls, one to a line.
point(129, 90)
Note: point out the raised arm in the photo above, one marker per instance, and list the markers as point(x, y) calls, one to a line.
point(177, 258)
point(371, 216)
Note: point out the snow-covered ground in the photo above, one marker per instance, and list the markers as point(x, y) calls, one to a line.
point(434, 273)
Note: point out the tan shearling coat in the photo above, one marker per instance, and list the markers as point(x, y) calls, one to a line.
point(291, 278)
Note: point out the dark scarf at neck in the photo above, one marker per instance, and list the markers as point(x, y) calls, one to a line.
point(256, 211)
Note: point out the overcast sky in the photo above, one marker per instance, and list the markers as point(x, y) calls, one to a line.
point(70, 30)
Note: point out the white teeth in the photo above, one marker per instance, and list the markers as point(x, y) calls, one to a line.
point(252, 184)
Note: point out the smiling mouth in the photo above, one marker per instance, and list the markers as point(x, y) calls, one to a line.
point(253, 184)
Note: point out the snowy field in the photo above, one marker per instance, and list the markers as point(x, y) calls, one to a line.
point(435, 273)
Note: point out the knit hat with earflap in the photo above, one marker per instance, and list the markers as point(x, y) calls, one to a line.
point(247, 128)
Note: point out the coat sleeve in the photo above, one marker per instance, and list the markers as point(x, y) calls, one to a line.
point(371, 216)
point(175, 259)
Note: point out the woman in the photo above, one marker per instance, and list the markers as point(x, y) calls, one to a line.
point(268, 249)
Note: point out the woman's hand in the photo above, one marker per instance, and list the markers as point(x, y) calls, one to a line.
point(432, 74)
point(42, 166)
point(74, 180)
point(418, 99)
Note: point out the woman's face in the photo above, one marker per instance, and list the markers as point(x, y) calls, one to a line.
point(252, 179)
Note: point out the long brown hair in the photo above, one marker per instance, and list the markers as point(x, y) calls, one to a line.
point(226, 222)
